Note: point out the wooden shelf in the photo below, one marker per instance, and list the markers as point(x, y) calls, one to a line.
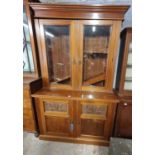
point(95, 79)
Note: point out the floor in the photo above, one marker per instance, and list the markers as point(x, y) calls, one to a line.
point(34, 146)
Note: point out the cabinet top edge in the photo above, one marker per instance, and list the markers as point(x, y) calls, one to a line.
point(78, 95)
point(70, 11)
point(80, 6)
point(86, 7)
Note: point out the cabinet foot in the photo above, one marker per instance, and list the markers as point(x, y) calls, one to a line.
point(36, 134)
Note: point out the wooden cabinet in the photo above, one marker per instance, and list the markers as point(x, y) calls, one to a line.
point(77, 52)
point(123, 126)
point(30, 70)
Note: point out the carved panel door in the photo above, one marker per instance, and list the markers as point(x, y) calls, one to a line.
point(95, 119)
point(55, 117)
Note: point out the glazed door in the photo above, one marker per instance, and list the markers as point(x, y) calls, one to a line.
point(55, 117)
point(95, 119)
point(128, 72)
point(98, 48)
point(57, 48)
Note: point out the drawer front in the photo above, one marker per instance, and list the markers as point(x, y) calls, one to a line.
point(55, 117)
point(95, 119)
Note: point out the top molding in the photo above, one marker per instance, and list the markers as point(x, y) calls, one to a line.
point(70, 11)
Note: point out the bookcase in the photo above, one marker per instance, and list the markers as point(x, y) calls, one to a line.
point(123, 124)
point(77, 53)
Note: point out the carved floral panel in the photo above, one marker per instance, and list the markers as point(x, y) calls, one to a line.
point(56, 107)
point(94, 109)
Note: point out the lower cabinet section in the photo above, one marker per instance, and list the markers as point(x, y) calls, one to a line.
point(78, 121)
point(123, 125)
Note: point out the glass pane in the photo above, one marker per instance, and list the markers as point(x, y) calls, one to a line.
point(96, 42)
point(128, 75)
point(91, 109)
point(58, 54)
point(28, 65)
point(56, 107)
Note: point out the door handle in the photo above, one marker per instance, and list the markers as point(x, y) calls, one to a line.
point(71, 126)
point(125, 104)
point(73, 62)
point(79, 62)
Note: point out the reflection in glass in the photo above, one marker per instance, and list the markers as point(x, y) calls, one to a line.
point(128, 75)
point(96, 41)
point(28, 65)
point(58, 53)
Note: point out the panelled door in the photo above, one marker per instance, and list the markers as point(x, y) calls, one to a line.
point(98, 49)
point(95, 119)
point(56, 117)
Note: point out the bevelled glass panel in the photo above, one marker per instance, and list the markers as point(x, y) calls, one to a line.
point(96, 43)
point(128, 75)
point(58, 54)
point(28, 65)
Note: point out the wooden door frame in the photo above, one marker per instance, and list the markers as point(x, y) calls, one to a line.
point(112, 52)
